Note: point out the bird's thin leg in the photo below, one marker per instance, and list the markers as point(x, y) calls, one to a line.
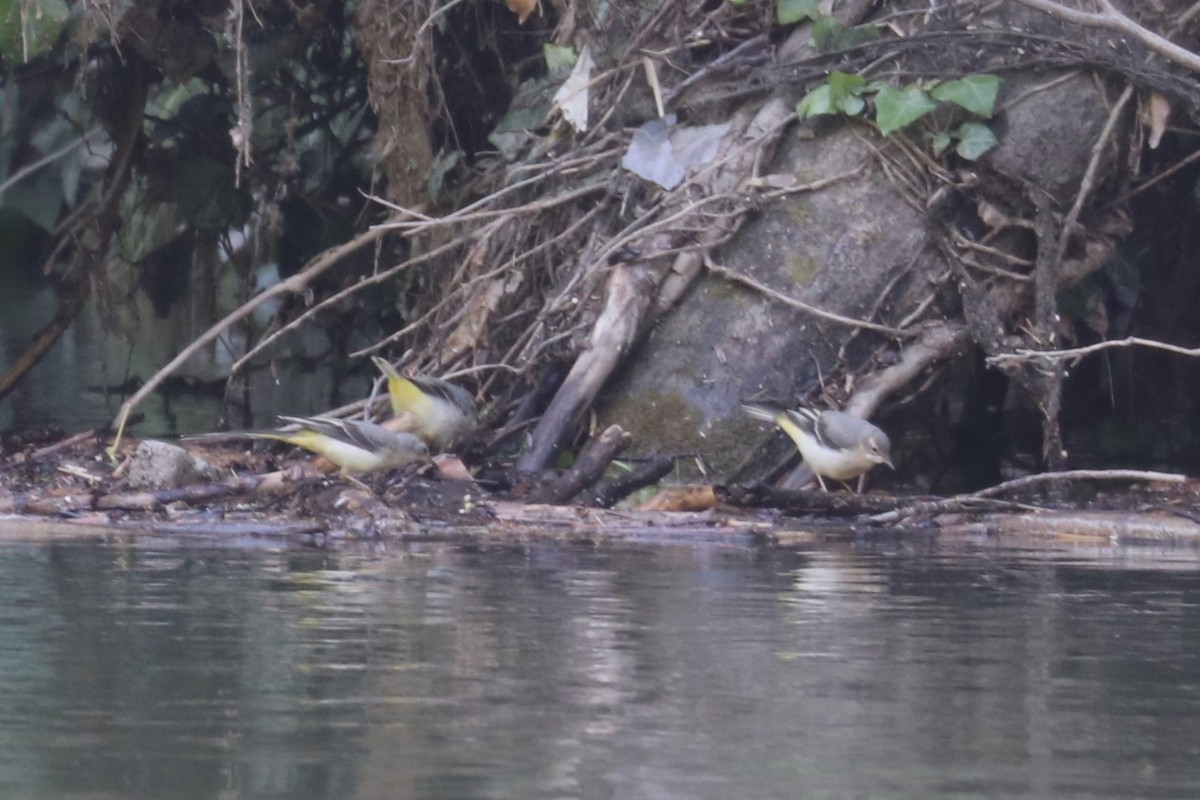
point(862, 481)
point(821, 481)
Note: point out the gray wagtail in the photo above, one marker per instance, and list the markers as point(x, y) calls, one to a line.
point(436, 410)
point(353, 445)
point(834, 444)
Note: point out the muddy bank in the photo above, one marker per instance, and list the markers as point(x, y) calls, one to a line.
point(71, 487)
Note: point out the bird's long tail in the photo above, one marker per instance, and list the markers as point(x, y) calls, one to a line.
point(764, 413)
point(405, 395)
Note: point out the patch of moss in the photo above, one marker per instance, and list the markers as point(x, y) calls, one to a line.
point(727, 444)
point(721, 288)
point(669, 422)
point(799, 212)
point(802, 268)
point(664, 418)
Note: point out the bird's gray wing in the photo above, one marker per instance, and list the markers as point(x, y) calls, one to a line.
point(343, 430)
point(452, 393)
point(807, 419)
point(379, 439)
point(841, 430)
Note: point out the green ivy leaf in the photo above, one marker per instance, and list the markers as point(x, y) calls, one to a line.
point(974, 139)
point(789, 12)
point(817, 102)
point(843, 86)
point(898, 108)
point(975, 93)
point(853, 106)
point(559, 59)
point(940, 142)
point(44, 23)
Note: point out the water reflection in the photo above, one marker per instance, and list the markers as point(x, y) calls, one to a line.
point(152, 668)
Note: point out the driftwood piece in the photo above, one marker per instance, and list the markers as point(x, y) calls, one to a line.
point(608, 493)
point(534, 520)
point(189, 495)
point(57, 447)
point(1106, 528)
point(629, 294)
point(802, 501)
point(587, 469)
point(65, 505)
point(938, 342)
point(926, 507)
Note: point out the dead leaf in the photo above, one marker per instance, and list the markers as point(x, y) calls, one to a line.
point(472, 329)
point(993, 217)
point(451, 467)
point(522, 8)
point(572, 97)
point(666, 153)
point(1158, 111)
point(682, 498)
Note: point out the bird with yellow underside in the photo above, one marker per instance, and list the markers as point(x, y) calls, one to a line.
point(834, 444)
point(355, 446)
point(436, 410)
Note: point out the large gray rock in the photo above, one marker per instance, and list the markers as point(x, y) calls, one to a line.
point(1047, 133)
point(836, 248)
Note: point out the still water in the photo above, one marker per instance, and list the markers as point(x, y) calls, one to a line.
point(152, 667)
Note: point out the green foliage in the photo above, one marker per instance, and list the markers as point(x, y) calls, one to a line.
point(898, 108)
point(939, 142)
point(25, 36)
point(789, 12)
point(975, 93)
point(559, 60)
point(42, 193)
point(816, 103)
point(845, 89)
point(974, 139)
point(841, 93)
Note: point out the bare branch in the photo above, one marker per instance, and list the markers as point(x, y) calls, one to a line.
point(746, 280)
point(293, 285)
point(1005, 359)
point(958, 502)
point(1109, 18)
point(1080, 475)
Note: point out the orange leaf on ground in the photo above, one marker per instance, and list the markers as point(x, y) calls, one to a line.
point(682, 498)
point(522, 8)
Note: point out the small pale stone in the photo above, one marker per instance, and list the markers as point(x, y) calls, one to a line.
point(160, 465)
